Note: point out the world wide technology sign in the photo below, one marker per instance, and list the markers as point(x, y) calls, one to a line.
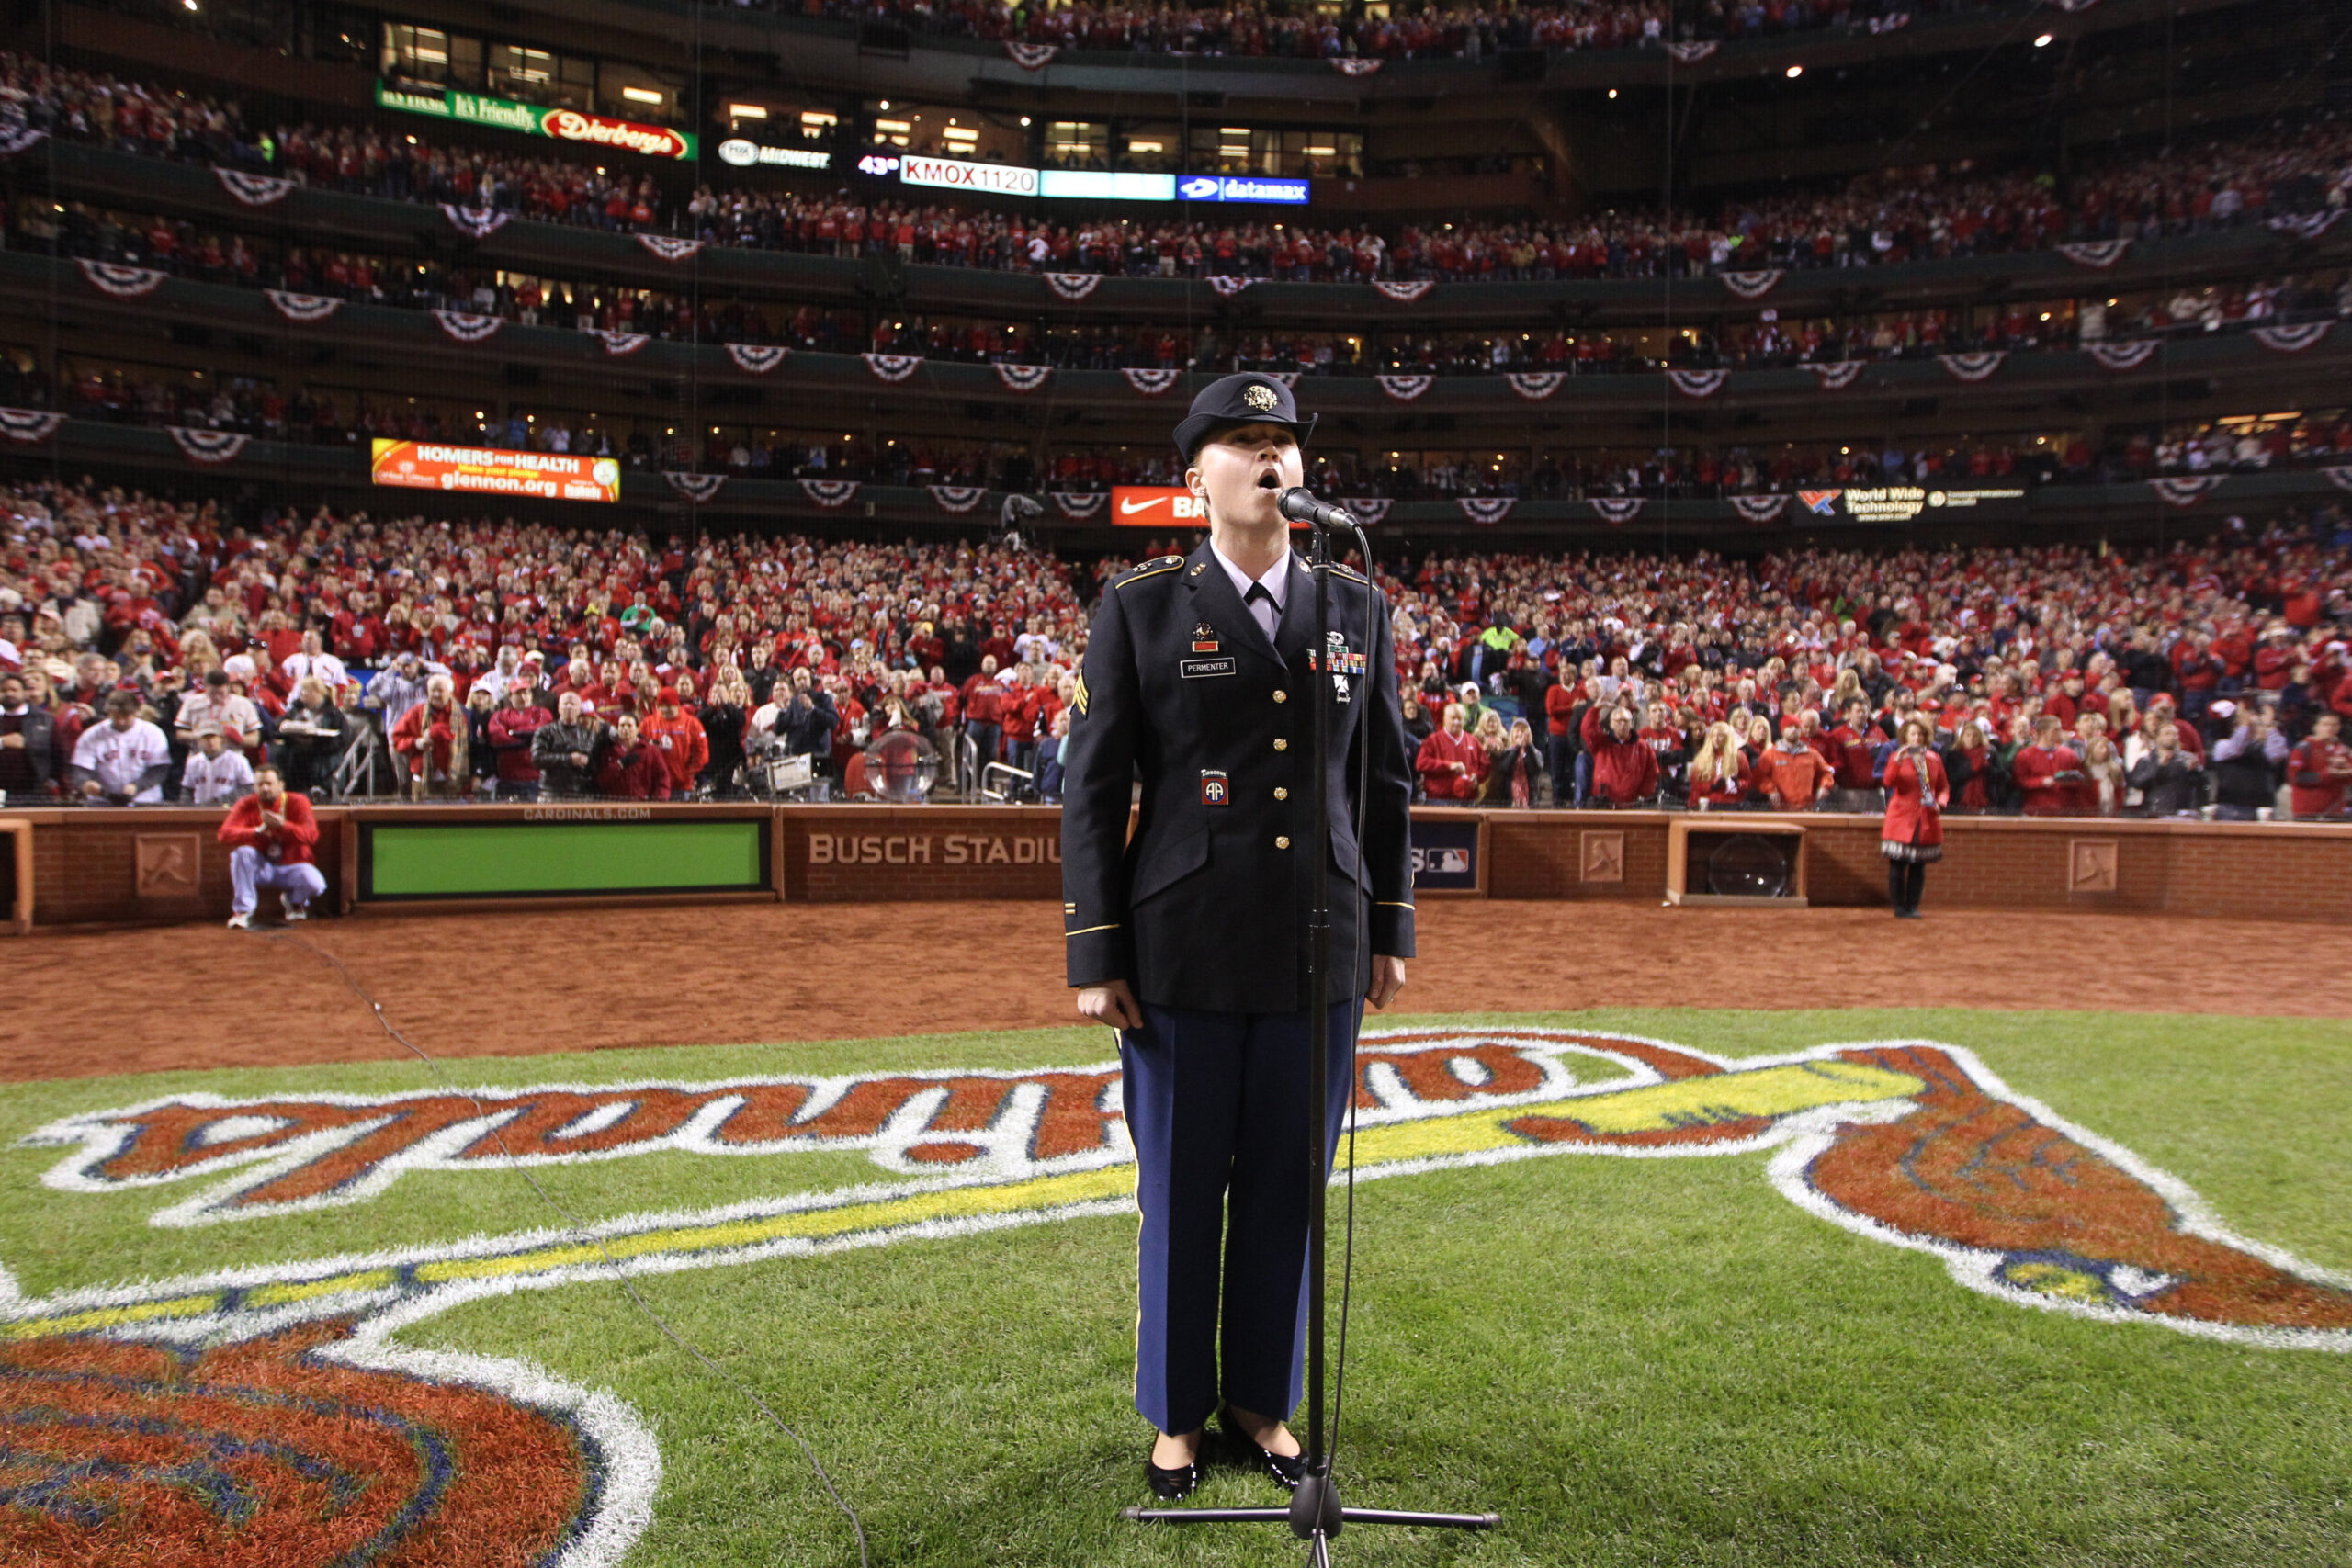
point(490, 470)
point(1901, 503)
point(532, 119)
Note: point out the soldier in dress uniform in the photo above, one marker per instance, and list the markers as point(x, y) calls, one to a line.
point(1190, 939)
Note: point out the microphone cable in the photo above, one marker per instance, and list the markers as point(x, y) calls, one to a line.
point(580, 1228)
point(1363, 794)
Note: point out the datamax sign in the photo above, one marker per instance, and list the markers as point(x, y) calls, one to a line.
point(531, 119)
point(1241, 187)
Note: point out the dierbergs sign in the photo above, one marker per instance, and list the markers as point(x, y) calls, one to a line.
point(563, 125)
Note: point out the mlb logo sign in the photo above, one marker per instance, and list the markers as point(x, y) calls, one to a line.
point(1214, 790)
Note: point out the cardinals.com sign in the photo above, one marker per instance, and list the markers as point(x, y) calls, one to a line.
point(563, 125)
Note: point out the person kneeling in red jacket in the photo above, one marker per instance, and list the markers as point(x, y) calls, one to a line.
point(270, 833)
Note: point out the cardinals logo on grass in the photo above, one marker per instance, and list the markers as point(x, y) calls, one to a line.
point(270, 1413)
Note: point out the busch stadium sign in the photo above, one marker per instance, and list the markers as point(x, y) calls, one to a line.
point(563, 125)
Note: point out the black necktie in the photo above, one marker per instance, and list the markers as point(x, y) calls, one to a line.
point(1250, 600)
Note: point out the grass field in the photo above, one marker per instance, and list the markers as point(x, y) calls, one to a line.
point(1635, 1360)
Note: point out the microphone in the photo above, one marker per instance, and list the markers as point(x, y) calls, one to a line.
point(1298, 504)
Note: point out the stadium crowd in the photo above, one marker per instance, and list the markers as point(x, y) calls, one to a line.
point(2303, 167)
point(1761, 339)
point(1428, 32)
point(149, 650)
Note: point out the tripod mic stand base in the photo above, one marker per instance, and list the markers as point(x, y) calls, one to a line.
point(1282, 1516)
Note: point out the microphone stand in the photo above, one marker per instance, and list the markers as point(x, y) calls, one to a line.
point(1315, 1514)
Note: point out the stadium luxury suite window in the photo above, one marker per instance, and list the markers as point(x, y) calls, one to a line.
point(428, 54)
point(1245, 150)
point(1078, 144)
point(542, 76)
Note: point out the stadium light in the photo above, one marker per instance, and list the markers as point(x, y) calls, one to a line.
point(1795, 72)
point(1612, 92)
point(641, 96)
point(2044, 41)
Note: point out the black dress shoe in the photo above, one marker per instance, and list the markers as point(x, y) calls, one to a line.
point(1170, 1486)
point(1173, 1485)
point(1288, 1469)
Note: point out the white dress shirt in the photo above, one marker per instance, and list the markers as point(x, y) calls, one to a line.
point(1268, 612)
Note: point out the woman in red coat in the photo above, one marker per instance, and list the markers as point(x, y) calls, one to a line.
point(1913, 835)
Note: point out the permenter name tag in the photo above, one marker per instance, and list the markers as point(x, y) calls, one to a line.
point(1194, 668)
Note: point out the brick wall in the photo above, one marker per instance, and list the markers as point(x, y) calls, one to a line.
point(115, 867)
point(835, 854)
point(148, 865)
point(2246, 870)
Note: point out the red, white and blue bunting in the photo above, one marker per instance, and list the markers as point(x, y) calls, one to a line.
point(1405, 389)
point(1697, 383)
point(2095, 252)
point(618, 343)
point(829, 493)
point(957, 498)
point(1370, 510)
point(2125, 355)
point(893, 366)
point(1691, 53)
point(208, 445)
point(302, 307)
point(1535, 386)
point(1229, 287)
point(254, 190)
point(1488, 510)
point(2184, 489)
point(1073, 284)
point(1974, 367)
point(669, 248)
point(2292, 340)
point(1031, 56)
point(1760, 508)
point(2339, 476)
point(1024, 377)
point(1079, 508)
point(1838, 376)
point(1753, 285)
point(18, 138)
point(1151, 383)
point(467, 327)
point(1617, 510)
point(759, 358)
point(1406, 293)
point(2305, 225)
point(475, 223)
point(696, 488)
point(1894, 23)
point(122, 282)
point(29, 424)
point(1346, 67)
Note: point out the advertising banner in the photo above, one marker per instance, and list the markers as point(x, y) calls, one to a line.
point(1901, 503)
point(1095, 185)
point(1157, 506)
point(742, 153)
point(531, 119)
point(1241, 187)
point(490, 470)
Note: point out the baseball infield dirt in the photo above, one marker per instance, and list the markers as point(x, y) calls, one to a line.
point(193, 997)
